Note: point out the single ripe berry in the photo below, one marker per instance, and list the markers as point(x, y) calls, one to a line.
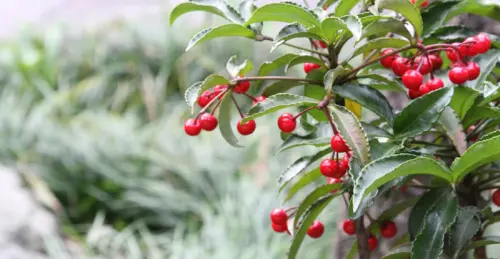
point(278, 216)
point(338, 144)
point(496, 197)
point(400, 66)
point(388, 229)
point(387, 62)
point(458, 75)
point(412, 79)
point(258, 99)
point(468, 44)
point(308, 67)
point(436, 61)
point(331, 180)
point(316, 229)
point(343, 166)
point(372, 243)
point(319, 44)
point(242, 86)
point(473, 70)
point(483, 43)
point(349, 227)
point(192, 127)
point(423, 63)
point(451, 53)
point(424, 89)
point(435, 84)
point(246, 128)
point(404, 188)
point(413, 94)
point(329, 168)
point(203, 100)
point(208, 122)
point(279, 228)
point(286, 122)
point(423, 5)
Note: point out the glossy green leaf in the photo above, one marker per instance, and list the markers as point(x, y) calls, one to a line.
point(277, 102)
point(463, 99)
point(486, 62)
point(344, 7)
point(355, 26)
point(332, 75)
point(466, 225)
point(374, 131)
point(331, 27)
point(389, 168)
point(283, 12)
point(435, 15)
point(384, 26)
point(380, 43)
point(320, 137)
point(489, 91)
point(280, 87)
point(424, 204)
point(477, 155)
point(422, 113)
point(368, 97)
point(407, 9)
point(381, 82)
point(268, 67)
point(486, 240)
point(454, 129)
point(238, 69)
point(225, 126)
point(211, 81)
point(225, 30)
point(304, 181)
point(219, 8)
point(490, 135)
point(312, 197)
point(293, 31)
point(429, 241)
point(452, 33)
point(309, 218)
point(396, 209)
point(191, 95)
point(305, 59)
point(399, 252)
point(489, 8)
point(382, 149)
point(480, 113)
point(246, 8)
point(351, 131)
point(366, 202)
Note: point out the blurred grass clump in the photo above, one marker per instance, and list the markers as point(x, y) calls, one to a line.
point(98, 116)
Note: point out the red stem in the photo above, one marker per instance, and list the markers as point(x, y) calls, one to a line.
point(304, 111)
point(216, 106)
point(249, 96)
point(237, 107)
point(325, 110)
point(210, 103)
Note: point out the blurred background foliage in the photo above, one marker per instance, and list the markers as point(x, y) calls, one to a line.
point(98, 115)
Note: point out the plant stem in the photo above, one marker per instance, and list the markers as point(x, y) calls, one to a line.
point(267, 38)
point(490, 187)
point(237, 107)
point(362, 237)
point(325, 110)
point(282, 78)
point(216, 106)
point(304, 111)
point(429, 143)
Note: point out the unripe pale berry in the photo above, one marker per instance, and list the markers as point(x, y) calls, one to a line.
point(246, 128)
point(286, 122)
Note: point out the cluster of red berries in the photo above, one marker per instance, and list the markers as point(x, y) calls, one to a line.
point(279, 220)
point(207, 121)
point(388, 229)
point(414, 69)
point(334, 168)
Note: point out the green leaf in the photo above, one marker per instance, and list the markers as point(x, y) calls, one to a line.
point(355, 26)
point(225, 126)
point(466, 225)
point(486, 62)
point(479, 113)
point(434, 16)
point(381, 82)
point(225, 30)
point(368, 97)
point(280, 87)
point(191, 95)
point(246, 8)
point(421, 113)
point(490, 135)
point(305, 59)
point(389, 168)
point(374, 131)
point(489, 8)
point(424, 204)
point(490, 92)
point(451, 33)
point(351, 131)
point(268, 67)
point(487, 240)
point(454, 129)
point(407, 9)
point(382, 149)
point(238, 69)
point(283, 12)
point(312, 197)
point(320, 137)
point(344, 7)
point(332, 75)
point(312, 214)
point(396, 209)
point(305, 180)
point(353, 251)
point(365, 204)
point(211, 81)
point(278, 102)
point(477, 155)
point(298, 167)
point(293, 31)
point(400, 252)
point(463, 99)
point(429, 242)
point(331, 27)
point(219, 8)
point(380, 43)
point(384, 26)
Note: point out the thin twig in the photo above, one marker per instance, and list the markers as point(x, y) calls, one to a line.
point(279, 78)
point(237, 107)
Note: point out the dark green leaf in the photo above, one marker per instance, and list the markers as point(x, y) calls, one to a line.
point(344, 7)
point(246, 8)
point(305, 59)
point(364, 205)
point(429, 241)
point(238, 69)
point(487, 240)
point(368, 97)
point(454, 33)
point(305, 180)
point(397, 209)
point(489, 8)
point(466, 225)
point(225, 126)
point(463, 99)
point(480, 113)
point(490, 135)
point(351, 131)
point(384, 26)
point(278, 102)
point(380, 43)
point(283, 12)
point(268, 67)
point(331, 27)
point(280, 87)
point(374, 131)
point(422, 113)
point(400, 252)
point(486, 62)
point(454, 129)
point(191, 95)
point(293, 31)
point(382, 149)
point(332, 75)
point(424, 204)
point(477, 155)
point(225, 30)
point(211, 81)
point(434, 16)
point(312, 197)
point(381, 82)
point(219, 8)
point(407, 9)
point(320, 137)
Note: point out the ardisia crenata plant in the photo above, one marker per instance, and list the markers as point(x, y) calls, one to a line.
point(445, 143)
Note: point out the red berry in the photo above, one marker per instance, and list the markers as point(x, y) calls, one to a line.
point(279, 228)
point(468, 44)
point(343, 166)
point(329, 168)
point(451, 53)
point(435, 84)
point(424, 4)
point(208, 122)
point(424, 89)
point(412, 79)
point(203, 100)
point(331, 180)
point(246, 128)
point(425, 67)
point(404, 188)
point(436, 61)
point(308, 67)
point(316, 229)
point(372, 243)
point(278, 216)
point(413, 94)
point(473, 70)
point(387, 62)
point(258, 99)
point(242, 86)
point(496, 197)
point(338, 144)
point(286, 122)
point(349, 227)
point(458, 75)
point(483, 43)
point(319, 44)
point(471, 128)
point(388, 229)
point(192, 127)
point(400, 66)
